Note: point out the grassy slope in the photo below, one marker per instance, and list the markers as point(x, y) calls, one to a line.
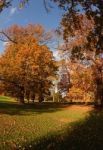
point(46, 126)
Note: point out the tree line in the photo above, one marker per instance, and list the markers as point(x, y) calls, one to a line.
point(82, 30)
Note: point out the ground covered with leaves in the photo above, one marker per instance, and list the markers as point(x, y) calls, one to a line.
point(49, 126)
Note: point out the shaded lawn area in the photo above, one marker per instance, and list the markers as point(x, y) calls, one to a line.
point(49, 126)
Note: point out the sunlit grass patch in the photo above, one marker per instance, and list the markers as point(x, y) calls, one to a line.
point(4, 99)
point(25, 126)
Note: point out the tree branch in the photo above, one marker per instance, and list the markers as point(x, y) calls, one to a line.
point(10, 39)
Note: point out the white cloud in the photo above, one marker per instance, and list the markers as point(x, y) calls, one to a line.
point(13, 10)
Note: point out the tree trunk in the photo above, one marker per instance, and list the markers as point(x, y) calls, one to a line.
point(41, 97)
point(33, 97)
point(27, 95)
point(21, 95)
point(41, 92)
point(98, 74)
point(21, 99)
point(99, 93)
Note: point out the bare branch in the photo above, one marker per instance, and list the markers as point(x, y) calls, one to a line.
point(8, 37)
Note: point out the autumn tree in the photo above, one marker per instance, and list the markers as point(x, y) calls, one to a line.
point(73, 23)
point(64, 77)
point(82, 88)
point(27, 63)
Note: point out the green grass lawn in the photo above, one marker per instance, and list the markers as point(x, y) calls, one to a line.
point(49, 126)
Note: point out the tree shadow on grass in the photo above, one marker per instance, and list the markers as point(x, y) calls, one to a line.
point(86, 134)
point(13, 108)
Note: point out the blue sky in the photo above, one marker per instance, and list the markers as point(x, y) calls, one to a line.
point(34, 12)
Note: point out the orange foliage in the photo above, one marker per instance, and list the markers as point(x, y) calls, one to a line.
point(82, 83)
point(28, 63)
